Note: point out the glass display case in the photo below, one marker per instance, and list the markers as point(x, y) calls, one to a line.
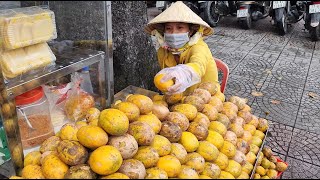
point(88, 26)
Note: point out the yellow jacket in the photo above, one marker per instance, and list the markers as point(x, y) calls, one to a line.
point(198, 57)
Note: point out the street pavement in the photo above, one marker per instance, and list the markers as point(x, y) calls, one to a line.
point(280, 77)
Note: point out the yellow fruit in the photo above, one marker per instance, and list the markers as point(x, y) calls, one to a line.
point(247, 167)
point(129, 109)
point(281, 166)
point(249, 127)
point(200, 131)
point(202, 119)
point(218, 127)
point(179, 152)
point(256, 176)
point(234, 168)
point(32, 158)
point(92, 114)
point(247, 136)
point(203, 94)
point(94, 122)
point(189, 141)
point(231, 137)
point(143, 102)
point(221, 96)
point(170, 164)
point(251, 157)
point(263, 125)
point(259, 134)
point(92, 136)
point(254, 121)
point(156, 173)
point(215, 138)
point(68, 132)
point(226, 175)
point(158, 97)
point(211, 87)
point(115, 176)
point(162, 86)
point(178, 118)
point(162, 103)
point(188, 173)
point(142, 132)
point(211, 170)
point(247, 116)
point(208, 151)
point(126, 145)
point(173, 99)
point(256, 140)
point(53, 168)
point(16, 177)
point(260, 157)
point(216, 103)
point(152, 121)
point(32, 171)
point(171, 131)
point(272, 165)
point(161, 111)
point(260, 170)
point(265, 177)
point(228, 149)
point(105, 160)
point(81, 171)
point(162, 145)
point(147, 155)
point(210, 111)
point(254, 148)
point(204, 177)
point(272, 174)
point(237, 129)
point(133, 168)
point(194, 100)
point(243, 175)
point(72, 153)
point(265, 163)
point(246, 108)
point(188, 110)
point(222, 161)
point(114, 122)
point(196, 161)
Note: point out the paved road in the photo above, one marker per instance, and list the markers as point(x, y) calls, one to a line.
point(286, 70)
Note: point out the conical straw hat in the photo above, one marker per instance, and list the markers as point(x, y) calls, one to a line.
point(178, 12)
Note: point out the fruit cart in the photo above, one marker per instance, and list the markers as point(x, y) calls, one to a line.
point(69, 59)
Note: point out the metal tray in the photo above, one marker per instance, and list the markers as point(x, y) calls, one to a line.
point(260, 151)
point(121, 95)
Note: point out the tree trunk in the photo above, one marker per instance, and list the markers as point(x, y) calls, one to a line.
point(134, 56)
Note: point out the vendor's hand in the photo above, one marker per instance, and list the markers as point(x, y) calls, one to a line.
point(183, 75)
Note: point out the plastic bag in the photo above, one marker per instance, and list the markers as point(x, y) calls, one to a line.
point(183, 75)
point(78, 101)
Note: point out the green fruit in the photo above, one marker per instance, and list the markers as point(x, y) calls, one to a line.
point(256, 140)
point(265, 163)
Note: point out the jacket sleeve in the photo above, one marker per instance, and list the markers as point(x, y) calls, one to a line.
point(198, 60)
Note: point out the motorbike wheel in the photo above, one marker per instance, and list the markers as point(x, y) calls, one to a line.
point(247, 22)
point(315, 33)
point(283, 25)
point(210, 15)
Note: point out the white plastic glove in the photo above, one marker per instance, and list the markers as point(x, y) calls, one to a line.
point(183, 75)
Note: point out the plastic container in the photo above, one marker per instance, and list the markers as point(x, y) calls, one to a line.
point(21, 27)
point(19, 61)
point(86, 84)
point(34, 106)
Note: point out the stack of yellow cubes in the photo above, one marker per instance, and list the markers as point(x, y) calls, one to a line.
point(24, 33)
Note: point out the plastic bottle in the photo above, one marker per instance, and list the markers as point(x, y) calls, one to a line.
point(86, 83)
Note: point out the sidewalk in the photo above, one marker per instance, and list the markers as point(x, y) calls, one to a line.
point(285, 71)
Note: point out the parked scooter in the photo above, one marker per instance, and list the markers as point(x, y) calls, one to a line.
point(248, 11)
point(286, 12)
point(312, 19)
point(215, 10)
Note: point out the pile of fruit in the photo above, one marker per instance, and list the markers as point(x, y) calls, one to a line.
point(268, 165)
point(200, 135)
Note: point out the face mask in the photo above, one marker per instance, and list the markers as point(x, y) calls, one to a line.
point(176, 40)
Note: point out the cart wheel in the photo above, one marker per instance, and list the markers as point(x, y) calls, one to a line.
point(247, 22)
point(283, 24)
point(315, 33)
point(211, 14)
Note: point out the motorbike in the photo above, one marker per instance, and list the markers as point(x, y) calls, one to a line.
point(248, 11)
point(312, 19)
point(210, 11)
point(215, 10)
point(284, 13)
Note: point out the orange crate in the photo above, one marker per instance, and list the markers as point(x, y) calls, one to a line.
point(279, 160)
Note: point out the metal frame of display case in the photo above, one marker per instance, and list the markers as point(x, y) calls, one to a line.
point(69, 60)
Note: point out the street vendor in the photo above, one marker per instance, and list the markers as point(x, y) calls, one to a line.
point(182, 54)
